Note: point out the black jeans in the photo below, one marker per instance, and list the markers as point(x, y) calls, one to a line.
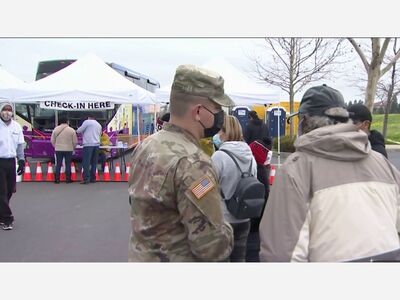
point(263, 177)
point(7, 188)
point(240, 233)
point(60, 155)
point(102, 160)
point(253, 247)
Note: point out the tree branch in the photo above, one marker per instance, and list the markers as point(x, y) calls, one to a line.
point(389, 65)
point(383, 50)
point(270, 42)
point(360, 53)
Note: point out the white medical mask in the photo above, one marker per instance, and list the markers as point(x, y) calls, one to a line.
point(6, 115)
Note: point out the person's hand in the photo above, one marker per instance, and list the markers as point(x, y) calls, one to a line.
point(21, 167)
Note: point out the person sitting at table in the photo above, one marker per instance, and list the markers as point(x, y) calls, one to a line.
point(103, 152)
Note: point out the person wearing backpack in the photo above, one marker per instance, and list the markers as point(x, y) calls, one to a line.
point(229, 176)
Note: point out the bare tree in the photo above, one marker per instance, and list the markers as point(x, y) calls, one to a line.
point(296, 63)
point(389, 89)
point(374, 68)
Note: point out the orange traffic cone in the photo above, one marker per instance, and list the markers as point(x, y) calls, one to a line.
point(50, 173)
point(73, 172)
point(97, 175)
point(27, 174)
point(62, 173)
point(272, 175)
point(127, 170)
point(106, 174)
point(38, 175)
point(117, 173)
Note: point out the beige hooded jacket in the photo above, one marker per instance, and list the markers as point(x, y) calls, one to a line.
point(334, 199)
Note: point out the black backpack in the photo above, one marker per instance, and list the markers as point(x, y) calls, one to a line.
point(249, 197)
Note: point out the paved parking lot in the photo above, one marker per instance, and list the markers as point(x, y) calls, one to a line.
point(68, 223)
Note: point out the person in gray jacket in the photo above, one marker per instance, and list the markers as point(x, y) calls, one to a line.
point(64, 140)
point(334, 199)
point(231, 138)
point(91, 133)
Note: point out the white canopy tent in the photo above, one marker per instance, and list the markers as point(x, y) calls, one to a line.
point(238, 86)
point(9, 80)
point(88, 79)
point(9, 84)
point(87, 84)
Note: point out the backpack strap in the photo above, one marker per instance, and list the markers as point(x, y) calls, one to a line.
point(236, 163)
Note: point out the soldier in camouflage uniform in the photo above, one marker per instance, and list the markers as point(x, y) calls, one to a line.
point(176, 211)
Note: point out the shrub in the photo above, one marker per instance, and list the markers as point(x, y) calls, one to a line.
point(286, 144)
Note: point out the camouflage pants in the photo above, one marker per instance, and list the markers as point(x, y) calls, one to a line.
point(240, 233)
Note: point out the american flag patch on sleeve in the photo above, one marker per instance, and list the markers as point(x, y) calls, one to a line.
point(202, 187)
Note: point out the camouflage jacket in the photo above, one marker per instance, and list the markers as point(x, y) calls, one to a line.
point(176, 210)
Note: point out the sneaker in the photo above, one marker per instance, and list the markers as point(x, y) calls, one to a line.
point(84, 182)
point(7, 227)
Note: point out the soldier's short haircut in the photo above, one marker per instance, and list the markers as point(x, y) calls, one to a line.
point(232, 129)
point(180, 103)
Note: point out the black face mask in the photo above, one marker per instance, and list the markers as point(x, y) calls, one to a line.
point(218, 122)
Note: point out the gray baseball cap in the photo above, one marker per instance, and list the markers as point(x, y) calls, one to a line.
point(318, 100)
point(193, 80)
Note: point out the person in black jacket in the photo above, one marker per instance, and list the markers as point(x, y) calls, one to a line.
point(260, 150)
point(362, 117)
point(256, 129)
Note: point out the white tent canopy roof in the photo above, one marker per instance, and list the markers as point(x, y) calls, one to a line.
point(8, 84)
point(8, 80)
point(238, 86)
point(88, 79)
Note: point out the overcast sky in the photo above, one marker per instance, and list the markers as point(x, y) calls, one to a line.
point(156, 57)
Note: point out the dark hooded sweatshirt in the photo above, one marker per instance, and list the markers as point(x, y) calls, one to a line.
point(255, 130)
point(377, 142)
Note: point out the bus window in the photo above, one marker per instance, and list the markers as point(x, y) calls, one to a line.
point(22, 110)
point(44, 119)
point(46, 68)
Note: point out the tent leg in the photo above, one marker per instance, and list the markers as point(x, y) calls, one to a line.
point(137, 121)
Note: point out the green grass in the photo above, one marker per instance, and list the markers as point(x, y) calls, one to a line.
point(393, 129)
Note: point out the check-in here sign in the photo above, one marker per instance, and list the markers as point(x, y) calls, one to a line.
point(73, 105)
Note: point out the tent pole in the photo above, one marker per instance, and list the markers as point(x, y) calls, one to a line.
point(55, 118)
point(137, 121)
point(155, 118)
point(279, 135)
